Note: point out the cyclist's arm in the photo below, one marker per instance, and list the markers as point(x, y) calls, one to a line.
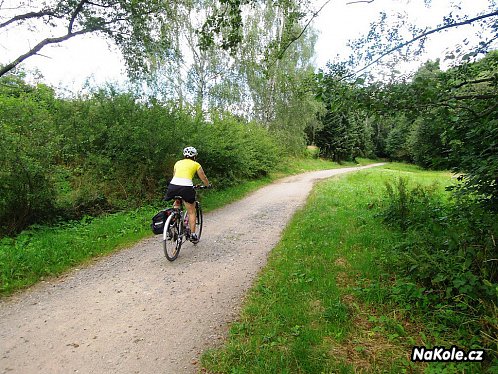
point(203, 177)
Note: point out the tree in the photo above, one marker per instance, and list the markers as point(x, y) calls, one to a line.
point(252, 83)
point(347, 127)
point(140, 28)
point(392, 36)
point(26, 172)
point(136, 26)
point(277, 86)
point(450, 117)
point(195, 73)
point(224, 25)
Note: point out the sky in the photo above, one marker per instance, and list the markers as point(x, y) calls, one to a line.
point(340, 22)
point(93, 59)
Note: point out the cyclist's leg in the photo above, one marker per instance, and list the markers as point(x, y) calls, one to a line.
point(191, 215)
point(189, 199)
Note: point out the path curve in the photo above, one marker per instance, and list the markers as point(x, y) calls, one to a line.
point(134, 311)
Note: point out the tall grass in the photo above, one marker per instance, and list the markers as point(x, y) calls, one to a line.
point(324, 303)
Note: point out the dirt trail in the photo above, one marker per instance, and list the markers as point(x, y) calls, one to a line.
point(134, 311)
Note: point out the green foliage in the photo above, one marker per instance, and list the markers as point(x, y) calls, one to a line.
point(279, 75)
point(233, 151)
point(449, 121)
point(224, 26)
point(439, 120)
point(427, 148)
point(409, 207)
point(118, 146)
point(474, 150)
point(109, 151)
point(268, 80)
point(28, 141)
point(346, 131)
point(133, 25)
point(397, 140)
point(312, 152)
point(445, 260)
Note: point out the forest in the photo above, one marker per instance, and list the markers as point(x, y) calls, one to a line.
point(237, 80)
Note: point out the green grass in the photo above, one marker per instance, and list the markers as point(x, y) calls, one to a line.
point(47, 251)
point(321, 303)
point(43, 251)
point(289, 166)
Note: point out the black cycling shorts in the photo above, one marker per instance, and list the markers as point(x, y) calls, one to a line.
point(186, 192)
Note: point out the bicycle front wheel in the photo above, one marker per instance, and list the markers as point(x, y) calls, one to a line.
point(172, 240)
point(198, 219)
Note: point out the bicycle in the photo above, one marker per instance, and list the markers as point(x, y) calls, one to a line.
point(176, 228)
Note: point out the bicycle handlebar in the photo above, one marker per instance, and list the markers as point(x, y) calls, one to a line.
point(202, 187)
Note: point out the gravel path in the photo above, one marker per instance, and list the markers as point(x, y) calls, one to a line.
point(136, 312)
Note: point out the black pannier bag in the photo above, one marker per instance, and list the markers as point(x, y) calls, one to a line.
point(159, 220)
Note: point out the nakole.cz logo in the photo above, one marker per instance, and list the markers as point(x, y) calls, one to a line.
point(441, 354)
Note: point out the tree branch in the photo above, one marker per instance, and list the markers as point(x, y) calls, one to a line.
point(478, 97)
point(360, 1)
point(5, 69)
point(293, 39)
point(75, 14)
point(483, 80)
point(23, 17)
point(423, 35)
point(445, 104)
point(110, 5)
point(489, 111)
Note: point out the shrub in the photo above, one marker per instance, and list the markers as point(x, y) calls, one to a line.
point(312, 151)
point(407, 207)
point(446, 263)
point(27, 147)
point(110, 151)
point(231, 150)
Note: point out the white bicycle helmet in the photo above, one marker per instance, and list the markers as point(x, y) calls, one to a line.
point(190, 152)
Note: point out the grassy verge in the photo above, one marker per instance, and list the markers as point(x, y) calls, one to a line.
point(41, 251)
point(322, 305)
point(291, 166)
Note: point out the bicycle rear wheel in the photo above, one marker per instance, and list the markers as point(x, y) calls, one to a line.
point(198, 219)
point(172, 238)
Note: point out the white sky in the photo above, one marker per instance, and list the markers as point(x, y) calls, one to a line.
point(91, 58)
point(72, 63)
point(339, 22)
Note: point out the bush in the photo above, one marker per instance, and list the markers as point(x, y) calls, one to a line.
point(446, 263)
point(28, 141)
point(231, 151)
point(110, 151)
point(312, 151)
point(397, 141)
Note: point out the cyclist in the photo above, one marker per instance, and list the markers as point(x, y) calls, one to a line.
point(182, 185)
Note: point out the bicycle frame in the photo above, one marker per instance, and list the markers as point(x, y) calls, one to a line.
point(177, 228)
point(179, 214)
